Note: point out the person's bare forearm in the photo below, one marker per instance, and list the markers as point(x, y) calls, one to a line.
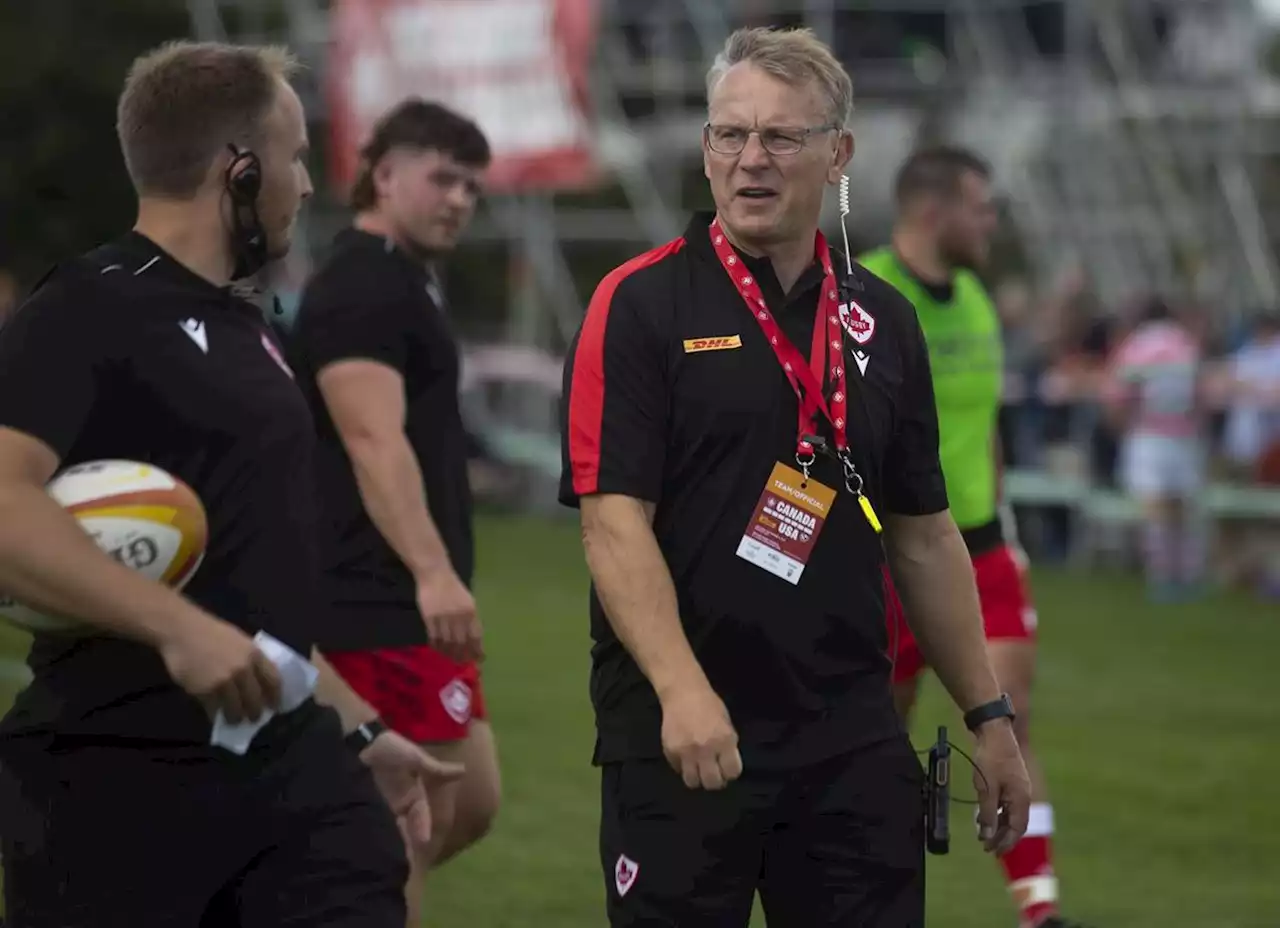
point(635, 588)
point(50, 563)
point(933, 574)
point(333, 691)
point(390, 483)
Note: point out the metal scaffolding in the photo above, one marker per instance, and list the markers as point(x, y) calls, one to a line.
point(1121, 149)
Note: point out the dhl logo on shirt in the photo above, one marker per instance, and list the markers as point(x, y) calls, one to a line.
point(715, 343)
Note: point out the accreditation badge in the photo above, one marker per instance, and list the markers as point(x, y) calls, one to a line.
point(786, 523)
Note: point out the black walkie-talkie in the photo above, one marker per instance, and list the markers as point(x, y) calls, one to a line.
point(938, 796)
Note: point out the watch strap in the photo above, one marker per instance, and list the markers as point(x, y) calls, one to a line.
point(364, 735)
point(978, 716)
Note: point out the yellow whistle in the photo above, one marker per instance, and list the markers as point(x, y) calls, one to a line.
point(869, 513)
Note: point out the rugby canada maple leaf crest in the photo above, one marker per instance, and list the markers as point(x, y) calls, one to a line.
point(624, 874)
point(859, 323)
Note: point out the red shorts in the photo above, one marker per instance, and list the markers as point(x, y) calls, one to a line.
point(1007, 610)
point(418, 691)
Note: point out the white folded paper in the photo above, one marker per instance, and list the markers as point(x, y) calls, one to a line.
point(297, 682)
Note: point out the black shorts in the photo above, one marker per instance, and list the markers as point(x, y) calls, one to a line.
point(837, 843)
point(122, 835)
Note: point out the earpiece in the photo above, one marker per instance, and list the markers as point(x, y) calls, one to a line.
point(844, 212)
point(243, 182)
point(244, 175)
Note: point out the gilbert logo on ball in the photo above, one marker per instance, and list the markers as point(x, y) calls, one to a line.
point(145, 518)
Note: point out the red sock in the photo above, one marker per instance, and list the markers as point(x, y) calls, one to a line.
point(1029, 869)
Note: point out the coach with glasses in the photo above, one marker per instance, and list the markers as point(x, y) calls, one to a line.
point(749, 428)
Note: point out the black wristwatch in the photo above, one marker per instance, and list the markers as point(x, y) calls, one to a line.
point(364, 735)
point(978, 716)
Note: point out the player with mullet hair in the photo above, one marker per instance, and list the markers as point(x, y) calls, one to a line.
point(941, 238)
point(377, 357)
point(115, 759)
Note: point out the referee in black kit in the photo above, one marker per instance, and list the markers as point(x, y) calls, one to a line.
point(115, 808)
point(735, 546)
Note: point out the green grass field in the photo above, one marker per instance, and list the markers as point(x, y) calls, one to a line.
point(1159, 728)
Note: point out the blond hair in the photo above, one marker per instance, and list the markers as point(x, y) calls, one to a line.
point(184, 102)
point(795, 56)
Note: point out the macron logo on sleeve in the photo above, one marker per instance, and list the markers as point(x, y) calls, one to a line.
point(194, 328)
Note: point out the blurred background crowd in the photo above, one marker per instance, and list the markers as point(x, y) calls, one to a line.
point(1136, 144)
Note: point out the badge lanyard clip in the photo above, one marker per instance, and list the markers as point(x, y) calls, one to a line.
point(853, 483)
point(852, 479)
point(810, 445)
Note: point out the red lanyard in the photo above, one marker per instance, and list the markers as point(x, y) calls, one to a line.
point(806, 376)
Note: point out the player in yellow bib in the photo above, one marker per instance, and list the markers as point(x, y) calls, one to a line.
point(945, 221)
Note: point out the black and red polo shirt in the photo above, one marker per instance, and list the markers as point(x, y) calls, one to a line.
point(673, 395)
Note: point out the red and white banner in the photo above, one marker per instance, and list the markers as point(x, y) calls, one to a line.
point(519, 68)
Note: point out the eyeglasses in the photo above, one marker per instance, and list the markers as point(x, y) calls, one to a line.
point(731, 140)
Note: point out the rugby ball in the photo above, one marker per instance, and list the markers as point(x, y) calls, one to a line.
point(143, 517)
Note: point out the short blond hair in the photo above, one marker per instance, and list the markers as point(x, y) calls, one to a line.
point(795, 56)
point(184, 102)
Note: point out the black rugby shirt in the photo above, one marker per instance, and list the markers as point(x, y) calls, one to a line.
point(802, 668)
point(127, 354)
point(372, 301)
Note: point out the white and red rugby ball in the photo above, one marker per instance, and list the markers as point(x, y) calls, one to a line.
point(145, 518)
